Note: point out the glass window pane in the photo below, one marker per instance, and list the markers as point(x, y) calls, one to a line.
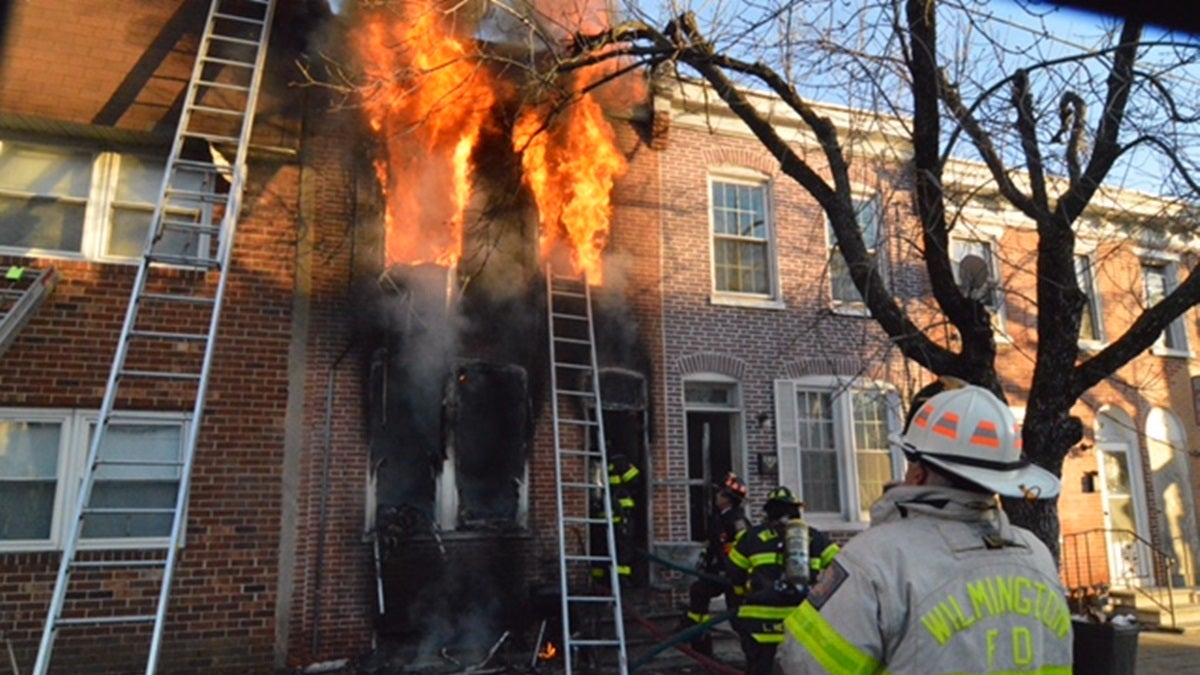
point(841, 285)
point(41, 222)
point(28, 478)
point(136, 486)
point(1116, 473)
point(139, 180)
point(819, 471)
point(874, 471)
point(45, 171)
point(867, 212)
point(710, 393)
point(818, 455)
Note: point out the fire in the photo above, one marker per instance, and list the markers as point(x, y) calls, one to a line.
point(548, 652)
point(429, 99)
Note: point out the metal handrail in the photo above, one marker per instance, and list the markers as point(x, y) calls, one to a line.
point(1161, 564)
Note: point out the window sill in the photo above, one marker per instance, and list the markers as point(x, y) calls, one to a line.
point(835, 523)
point(1171, 353)
point(1092, 346)
point(856, 310)
point(749, 301)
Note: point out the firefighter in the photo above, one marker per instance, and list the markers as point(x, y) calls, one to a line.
point(941, 582)
point(725, 523)
point(623, 477)
point(757, 563)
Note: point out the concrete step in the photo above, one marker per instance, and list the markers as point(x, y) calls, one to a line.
point(1186, 603)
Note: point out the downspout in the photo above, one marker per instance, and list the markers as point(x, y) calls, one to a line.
point(322, 508)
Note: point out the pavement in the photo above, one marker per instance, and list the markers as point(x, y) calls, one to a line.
point(1174, 653)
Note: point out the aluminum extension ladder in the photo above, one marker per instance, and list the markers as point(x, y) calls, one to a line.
point(22, 290)
point(167, 341)
point(575, 389)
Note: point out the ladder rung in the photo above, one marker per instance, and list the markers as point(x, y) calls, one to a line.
point(184, 226)
point(572, 366)
point(568, 294)
point(579, 642)
point(138, 462)
point(234, 40)
point(211, 138)
point(167, 297)
point(197, 196)
point(106, 620)
point(581, 453)
point(588, 558)
point(573, 317)
point(161, 335)
point(232, 112)
point(209, 84)
point(159, 375)
point(206, 167)
point(580, 520)
point(578, 423)
point(235, 17)
point(185, 261)
point(140, 562)
point(116, 511)
point(574, 392)
point(585, 486)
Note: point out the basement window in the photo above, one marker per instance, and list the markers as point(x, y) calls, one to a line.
point(80, 204)
point(43, 457)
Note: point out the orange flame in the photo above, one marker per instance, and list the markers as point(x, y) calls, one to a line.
point(548, 652)
point(429, 100)
point(571, 160)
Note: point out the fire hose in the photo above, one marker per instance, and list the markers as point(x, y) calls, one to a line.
point(677, 640)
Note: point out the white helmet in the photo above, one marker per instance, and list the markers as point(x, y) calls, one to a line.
point(970, 433)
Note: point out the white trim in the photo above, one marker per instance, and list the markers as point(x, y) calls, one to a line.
point(71, 466)
point(736, 175)
point(839, 389)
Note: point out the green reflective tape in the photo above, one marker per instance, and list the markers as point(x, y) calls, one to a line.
point(827, 646)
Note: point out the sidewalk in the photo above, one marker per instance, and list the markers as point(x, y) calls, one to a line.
point(1174, 653)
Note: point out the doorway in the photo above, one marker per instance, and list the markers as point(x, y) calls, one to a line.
point(714, 431)
point(1126, 522)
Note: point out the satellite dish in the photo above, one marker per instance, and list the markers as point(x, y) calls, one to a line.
point(973, 276)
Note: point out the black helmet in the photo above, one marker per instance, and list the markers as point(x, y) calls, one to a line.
point(781, 496)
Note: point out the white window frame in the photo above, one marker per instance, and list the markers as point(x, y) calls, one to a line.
point(1177, 329)
point(995, 289)
point(1091, 293)
point(746, 177)
point(876, 248)
point(849, 515)
point(72, 466)
point(98, 209)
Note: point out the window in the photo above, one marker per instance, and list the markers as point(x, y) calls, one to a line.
point(841, 287)
point(43, 456)
point(82, 204)
point(833, 444)
point(1091, 329)
point(979, 282)
point(741, 238)
point(1159, 278)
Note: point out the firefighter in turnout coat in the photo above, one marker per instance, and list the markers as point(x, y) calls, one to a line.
point(727, 521)
point(623, 477)
point(941, 582)
point(757, 564)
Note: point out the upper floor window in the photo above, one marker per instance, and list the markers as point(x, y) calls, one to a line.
point(43, 453)
point(833, 444)
point(977, 271)
point(73, 203)
point(741, 230)
point(1091, 328)
point(868, 212)
point(1159, 279)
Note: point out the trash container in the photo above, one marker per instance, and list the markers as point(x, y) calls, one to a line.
point(1104, 648)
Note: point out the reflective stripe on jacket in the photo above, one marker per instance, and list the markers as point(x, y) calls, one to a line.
point(941, 583)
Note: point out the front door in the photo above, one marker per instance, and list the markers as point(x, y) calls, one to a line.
point(1128, 561)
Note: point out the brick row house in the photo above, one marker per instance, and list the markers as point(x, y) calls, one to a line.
point(375, 463)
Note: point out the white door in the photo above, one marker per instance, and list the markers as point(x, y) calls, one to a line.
point(1123, 514)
